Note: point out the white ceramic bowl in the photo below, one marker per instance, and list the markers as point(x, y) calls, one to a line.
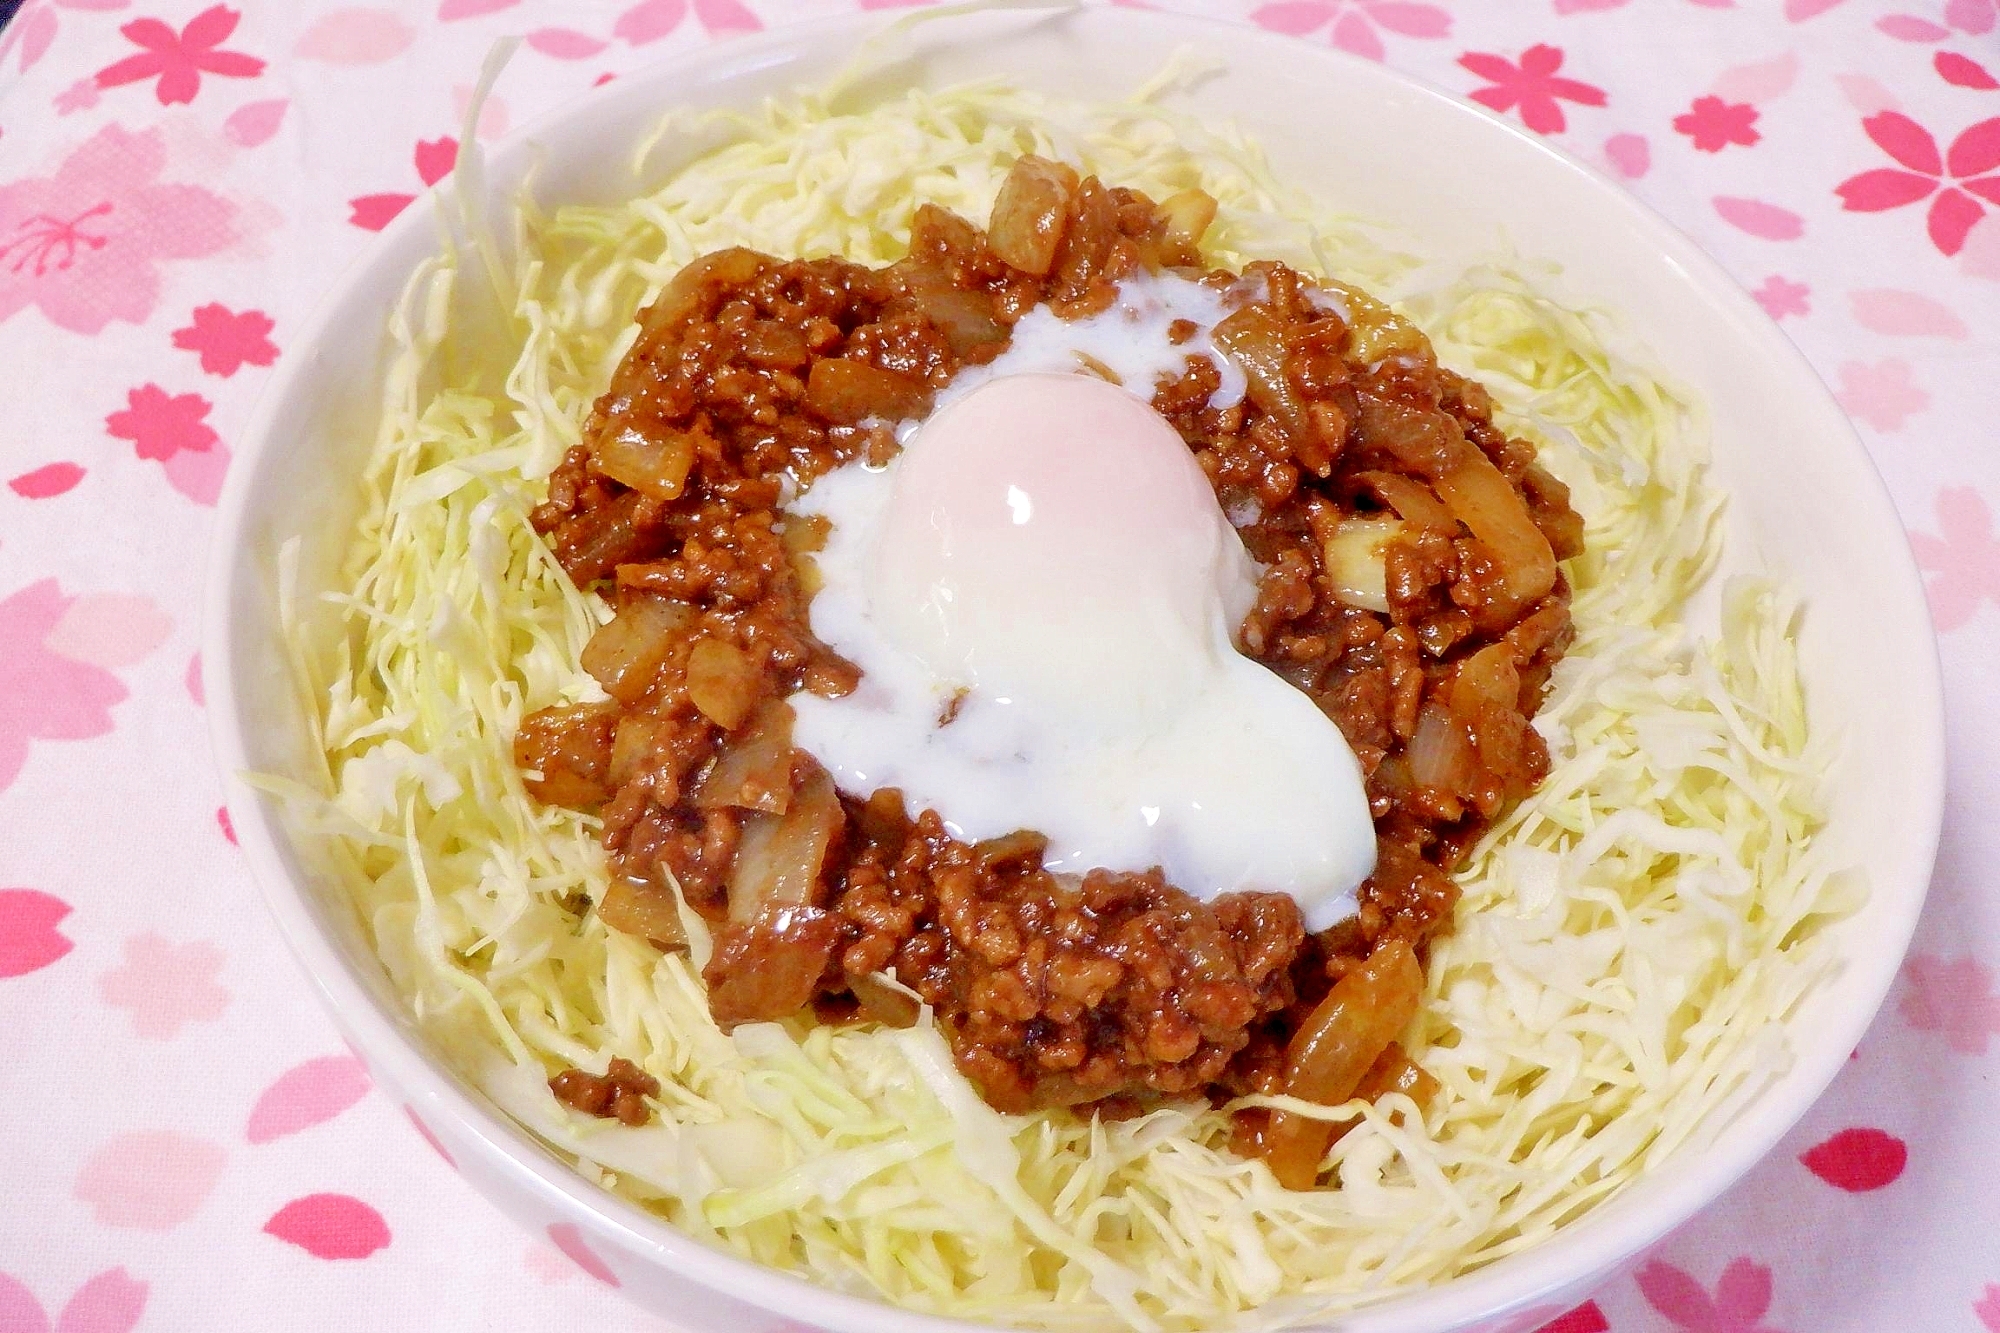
point(1804, 502)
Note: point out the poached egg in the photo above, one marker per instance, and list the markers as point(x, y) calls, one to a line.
point(1041, 592)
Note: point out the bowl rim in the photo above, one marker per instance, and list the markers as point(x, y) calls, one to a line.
point(1576, 1252)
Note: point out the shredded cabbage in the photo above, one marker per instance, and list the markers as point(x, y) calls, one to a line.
point(1629, 942)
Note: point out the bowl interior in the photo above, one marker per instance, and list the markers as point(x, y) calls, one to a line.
point(1457, 185)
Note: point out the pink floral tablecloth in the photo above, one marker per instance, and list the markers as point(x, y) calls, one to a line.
point(185, 1143)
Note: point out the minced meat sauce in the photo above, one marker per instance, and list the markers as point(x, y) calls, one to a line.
point(1410, 589)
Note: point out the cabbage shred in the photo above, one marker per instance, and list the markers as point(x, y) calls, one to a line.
point(1629, 941)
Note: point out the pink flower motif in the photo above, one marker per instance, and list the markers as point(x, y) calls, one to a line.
point(1883, 395)
point(46, 482)
point(179, 59)
point(228, 341)
point(1988, 1307)
point(166, 985)
point(1973, 155)
point(1858, 1160)
point(82, 244)
point(434, 160)
point(1741, 1298)
point(79, 96)
point(1532, 85)
point(1355, 21)
point(330, 1226)
point(307, 1094)
point(29, 938)
point(1629, 154)
point(1585, 1318)
point(1963, 72)
point(152, 1180)
point(1714, 124)
point(1974, 17)
point(34, 27)
point(46, 694)
point(1759, 218)
point(111, 1302)
point(161, 426)
point(1955, 999)
point(1781, 297)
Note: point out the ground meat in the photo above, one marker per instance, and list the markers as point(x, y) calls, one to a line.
point(619, 1093)
point(754, 375)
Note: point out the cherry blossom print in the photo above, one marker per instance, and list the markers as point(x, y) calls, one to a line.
point(1356, 25)
point(1758, 218)
point(179, 59)
point(330, 1226)
point(222, 823)
point(434, 159)
point(152, 1180)
point(191, 681)
point(1955, 998)
point(35, 29)
point(1973, 17)
point(79, 96)
point(721, 17)
point(1966, 561)
point(1781, 297)
point(1759, 82)
point(45, 483)
point(493, 113)
point(1741, 1298)
point(1858, 1160)
point(305, 1095)
point(451, 10)
point(1865, 93)
point(1882, 394)
point(1585, 1318)
point(1910, 28)
point(1981, 256)
point(355, 37)
point(173, 430)
point(1712, 124)
point(160, 424)
point(1900, 314)
point(649, 21)
point(1798, 11)
point(228, 340)
point(255, 123)
point(29, 937)
point(1629, 155)
point(1963, 71)
point(1532, 86)
point(83, 245)
point(110, 1302)
point(568, 1237)
point(1973, 162)
point(109, 630)
point(565, 43)
point(45, 695)
point(372, 212)
point(166, 986)
point(1987, 1307)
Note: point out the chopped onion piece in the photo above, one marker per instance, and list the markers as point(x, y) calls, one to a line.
point(779, 859)
point(1357, 561)
point(626, 653)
